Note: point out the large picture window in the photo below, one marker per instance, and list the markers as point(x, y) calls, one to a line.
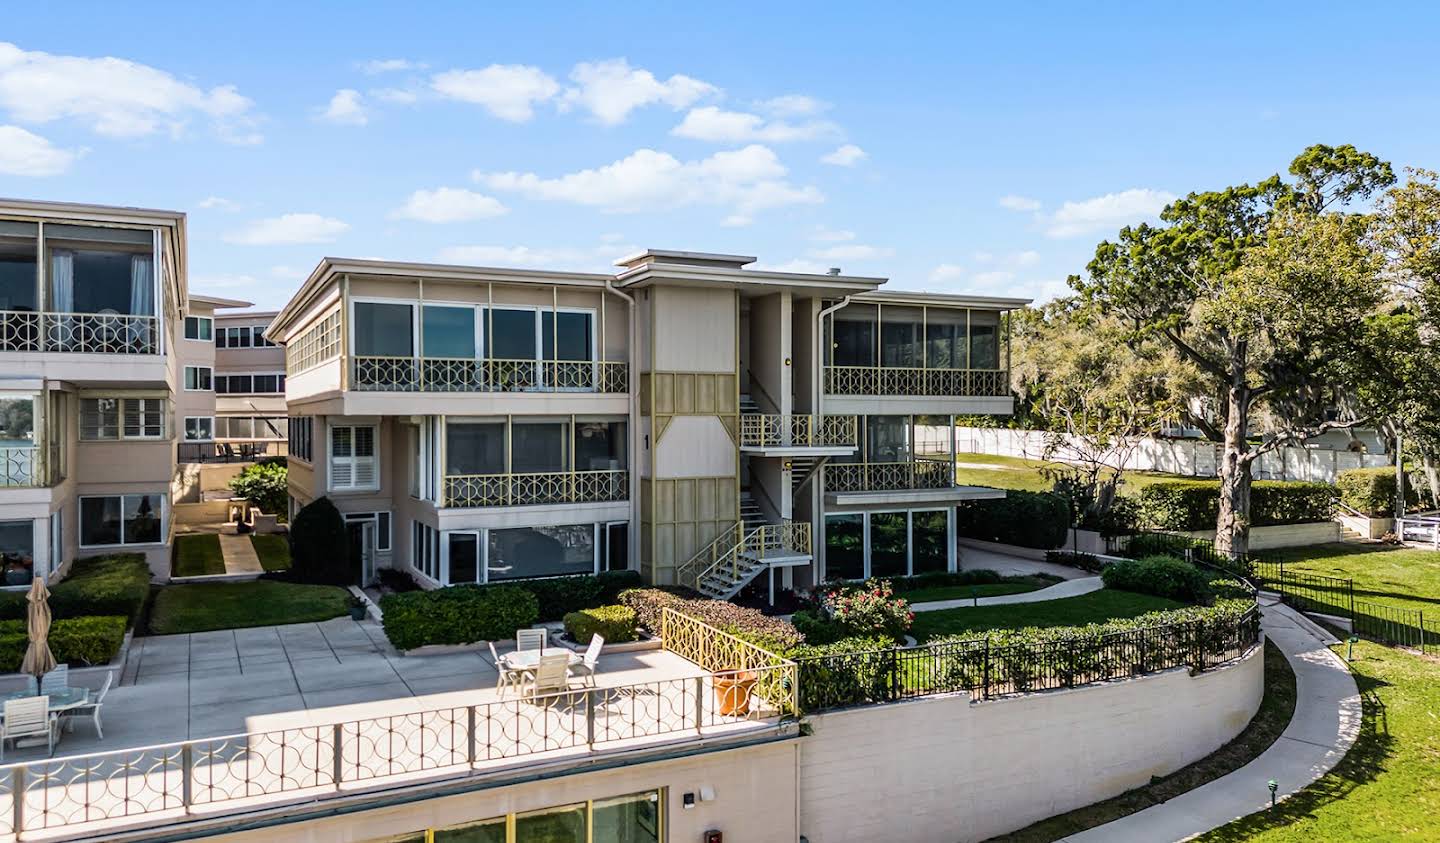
point(122, 519)
point(635, 818)
point(859, 545)
point(199, 428)
point(448, 331)
point(382, 329)
point(541, 552)
point(17, 552)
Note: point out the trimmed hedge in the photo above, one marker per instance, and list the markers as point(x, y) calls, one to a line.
point(819, 630)
point(1195, 504)
point(1024, 519)
point(616, 624)
point(941, 579)
point(460, 614)
point(1372, 490)
point(759, 629)
point(77, 642)
point(559, 596)
point(319, 547)
point(1161, 576)
point(114, 584)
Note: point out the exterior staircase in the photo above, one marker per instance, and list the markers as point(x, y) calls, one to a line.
point(748, 405)
point(1349, 535)
point(750, 513)
point(741, 553)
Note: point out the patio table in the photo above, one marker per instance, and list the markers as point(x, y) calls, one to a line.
point(524, 662)
point(61, 701)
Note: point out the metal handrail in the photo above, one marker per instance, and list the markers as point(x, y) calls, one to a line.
point(905, 380)
point(800, 431)
point(725, 554)
point(530, 488)
point(382, 373)
point(919, 473)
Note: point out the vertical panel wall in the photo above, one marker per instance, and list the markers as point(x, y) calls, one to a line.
point(689, 397)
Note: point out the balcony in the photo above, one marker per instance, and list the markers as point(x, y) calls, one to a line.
point(79, 333)
point(897, 381)
point(551, 487)
point(24, 466)
point(799, 434)
point(889, 476)
point(461, 374)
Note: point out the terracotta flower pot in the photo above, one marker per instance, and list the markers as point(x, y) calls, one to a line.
point(733, 688)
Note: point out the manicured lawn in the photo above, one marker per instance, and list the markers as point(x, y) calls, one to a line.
point(1094, 607)
point(273, 550)
point(197, 607)
point(1384, 574)
point(1384, 789)
point(1276, 709)
point(198, 555)
point(1015, 585)
point(1027, 475)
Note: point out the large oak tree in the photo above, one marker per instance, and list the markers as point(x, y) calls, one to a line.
point(1269, 291)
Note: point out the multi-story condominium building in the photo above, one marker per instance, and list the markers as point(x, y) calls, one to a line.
point(233, 403)
point(704, 423)
point(92, 300)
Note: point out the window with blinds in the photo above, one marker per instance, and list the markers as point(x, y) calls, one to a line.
point(353, 463)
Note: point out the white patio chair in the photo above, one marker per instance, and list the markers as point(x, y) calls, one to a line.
point(531, 639)
point(553, 674)
point(28, 717)
point(93, 707)
point(56, 680)
point(586, 667)
point(507, 675)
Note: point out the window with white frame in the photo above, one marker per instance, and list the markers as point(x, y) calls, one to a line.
point(424, 550)
point(122, 418)
point(302, 431)
point(353, 463)
point(382, 526)
point(250, 384)
point(199, 328)
point(198, 378)
point(107, 520)
point(199, 428)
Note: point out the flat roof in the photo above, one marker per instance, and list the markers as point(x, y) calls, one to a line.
point(49, 208)
point(948, 299)
point(217, 301)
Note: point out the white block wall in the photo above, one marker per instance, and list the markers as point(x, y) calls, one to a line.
point(945, 769)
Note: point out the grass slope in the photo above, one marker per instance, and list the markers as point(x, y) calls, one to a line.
point(1094, 607)
point(198, 555)
point(1027, 475)
point(1385, 574)
point(1384, 789)
point(198, 607)
point(1017, 585)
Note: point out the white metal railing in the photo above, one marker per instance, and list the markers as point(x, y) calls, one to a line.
point(759, 430)
point(20, 466)
point(900, 380)
point(474, 490)
point(80, 333)
point(372, 373)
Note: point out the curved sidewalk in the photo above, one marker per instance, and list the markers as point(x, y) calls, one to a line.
point(1325, 725)
point(1068, 588)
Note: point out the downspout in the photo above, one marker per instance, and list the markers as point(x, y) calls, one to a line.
point(632, 424)
point(817, 504)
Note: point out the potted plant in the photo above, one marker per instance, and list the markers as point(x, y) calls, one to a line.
point(734, 688)
point(357, 608)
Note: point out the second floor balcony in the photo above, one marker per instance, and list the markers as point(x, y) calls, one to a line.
point(920, 473)
point(760, 432)
point(903, 380)
point(535, 488)
point(374, 373)
point(533, 463)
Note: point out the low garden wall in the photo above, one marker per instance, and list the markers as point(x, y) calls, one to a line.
point(947, 768)
point(1285, 535)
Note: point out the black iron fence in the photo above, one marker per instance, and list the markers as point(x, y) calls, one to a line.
point(986, 670)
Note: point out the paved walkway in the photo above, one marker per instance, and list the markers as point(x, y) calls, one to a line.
point(972, 558)
point(1068, 588)
point(239, 555)
point(1325, 725)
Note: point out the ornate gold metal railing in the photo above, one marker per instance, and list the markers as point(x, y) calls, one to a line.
point(889, 476)
point(895, 380)
point(764, 430)
point(476, 490)
point(776, 677)
point(734, 553)
point(79, 333)
point(464, 374)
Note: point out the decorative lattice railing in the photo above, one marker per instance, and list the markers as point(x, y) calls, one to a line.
point(797, 431)
point(464, 374)
point(896, 380)
point(725, 655)
point(474, 490)
point(889, 476)
point(79, 333)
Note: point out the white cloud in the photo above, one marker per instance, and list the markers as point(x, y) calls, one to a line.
point(993, 278)
point(743, 181)
point(508, 91)
point(718, 125)
point(448, 204)
point(853, 252)
point(846, 156)
point(1106, 213)
point(821, 234)
point(346, 108)
point(25, 153)
point(398, 96)
point(375, 67)
point(792, 105)
point(212, 283)
point(1019, 203)
point(116, 97)
point(599, 257)
point(1026, 258)
point(218, 203)
point(611, 89)
point(289, 229)
point(946, 272)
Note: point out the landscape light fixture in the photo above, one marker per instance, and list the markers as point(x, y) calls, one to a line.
point(1274, 786)
point(1350, 650)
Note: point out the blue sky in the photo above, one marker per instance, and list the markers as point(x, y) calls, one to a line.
point(978, 149)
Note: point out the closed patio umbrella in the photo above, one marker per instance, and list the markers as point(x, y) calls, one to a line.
point(38, 658)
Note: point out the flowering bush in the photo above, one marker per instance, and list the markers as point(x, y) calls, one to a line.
point(868, 609)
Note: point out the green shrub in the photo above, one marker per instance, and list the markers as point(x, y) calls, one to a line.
point(265, 485)
point(1195, 504)
point(559, 596)
point(114, 584)
point(1161, 576)
point(847, 671)
point(77, 642)
point(616, 624)
point(319, 547)
point(1372, 491)
point(818, 629)
point(459, 614)
point(1024, 519)
point(943, 579)
point(1083, 561)
point(772, 634)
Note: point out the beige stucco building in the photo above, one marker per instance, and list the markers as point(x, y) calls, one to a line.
point(701, 422)
point(233, 405)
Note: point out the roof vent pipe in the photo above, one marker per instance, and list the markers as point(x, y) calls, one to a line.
point(834, 270)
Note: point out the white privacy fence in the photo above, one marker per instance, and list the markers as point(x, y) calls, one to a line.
point(1187, 457)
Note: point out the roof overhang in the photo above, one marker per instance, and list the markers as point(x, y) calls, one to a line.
point(941, 300)
point(906, 497)
point(217, 301)
point(757, 281)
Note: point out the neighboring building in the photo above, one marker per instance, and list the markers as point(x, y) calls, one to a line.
point(92, 299)
point(233, 405)
point(701, 422)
